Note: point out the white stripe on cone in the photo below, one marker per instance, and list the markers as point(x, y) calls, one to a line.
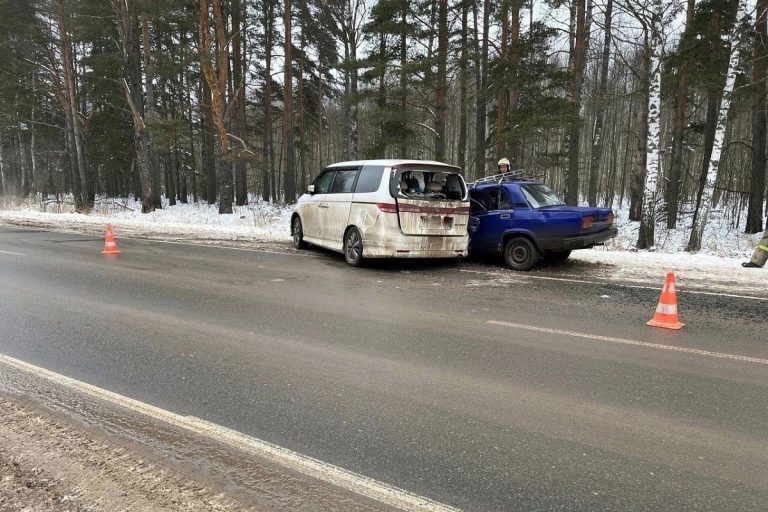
point(667, 309)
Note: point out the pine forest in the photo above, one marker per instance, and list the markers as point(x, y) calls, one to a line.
point(655, 106)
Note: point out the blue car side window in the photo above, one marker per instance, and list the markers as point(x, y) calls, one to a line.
point(504, 202)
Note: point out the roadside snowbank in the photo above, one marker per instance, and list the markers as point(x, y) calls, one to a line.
point(258, 221)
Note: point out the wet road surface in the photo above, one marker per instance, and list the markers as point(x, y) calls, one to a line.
point(433, 377)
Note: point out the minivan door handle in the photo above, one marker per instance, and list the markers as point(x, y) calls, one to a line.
point(504, 216)
point(323, 205)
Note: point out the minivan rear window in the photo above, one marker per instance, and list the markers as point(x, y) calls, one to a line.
point(427, 184)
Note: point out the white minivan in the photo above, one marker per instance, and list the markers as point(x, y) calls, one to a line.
point(385, 209)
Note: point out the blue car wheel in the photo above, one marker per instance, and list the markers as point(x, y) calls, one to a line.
point(520, 253)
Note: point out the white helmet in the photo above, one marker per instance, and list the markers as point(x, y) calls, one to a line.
point(503, 161)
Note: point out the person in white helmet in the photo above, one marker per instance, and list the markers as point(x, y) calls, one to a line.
point(503, 165)
point(760, 256)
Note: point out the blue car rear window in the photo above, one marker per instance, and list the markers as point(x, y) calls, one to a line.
point(540, 195)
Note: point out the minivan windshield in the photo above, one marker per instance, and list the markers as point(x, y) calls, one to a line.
point(541, 196)
point(429, 184)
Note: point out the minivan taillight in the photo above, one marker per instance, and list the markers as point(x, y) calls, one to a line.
point(387, 207)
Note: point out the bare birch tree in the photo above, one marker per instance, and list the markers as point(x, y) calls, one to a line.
point(701, 215)
point(653, 162)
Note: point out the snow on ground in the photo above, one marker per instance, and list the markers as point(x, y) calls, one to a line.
point(258, 221)
point(717, 265)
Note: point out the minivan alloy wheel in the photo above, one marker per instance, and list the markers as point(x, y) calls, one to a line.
point(353, 247)
point(298, 234)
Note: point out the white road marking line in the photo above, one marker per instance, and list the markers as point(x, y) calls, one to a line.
point(12, 253)
point(695, 351)
point(605, 281)
point(334, 475)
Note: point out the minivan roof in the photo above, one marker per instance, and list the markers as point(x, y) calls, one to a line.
point(392, 163)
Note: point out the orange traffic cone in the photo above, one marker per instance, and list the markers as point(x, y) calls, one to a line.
point(666, 311)
point(110, 247)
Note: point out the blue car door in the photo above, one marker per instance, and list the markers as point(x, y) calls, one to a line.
point(487, 221)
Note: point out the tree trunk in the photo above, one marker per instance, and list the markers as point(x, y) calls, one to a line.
point(32, 145)
point(320, 116)
point(579, 49)
point(463, 79)
point(597, 133)
point(503, 92)
point(238, 108)
point(3, 186)
point(150, 111)
point(266, 144)
point(70, 95)
point(347, 99)
point(637, 183)
point(757, 178)
point(646, 237)
point(707, 196)
point(134, 95)
point(289, 183)
point(217, 81)
point(678, 133)
point(303, 22)
point(208, 143)
point(514, 92)
point(481, 86)
point(442, 79)
point(168, 163)
point(381, 94)
point(348, 18)
point(354, 141)
point(192, 156)
point(403, 77)
point(219, 107)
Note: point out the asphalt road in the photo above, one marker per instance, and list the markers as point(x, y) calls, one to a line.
point(433, 377)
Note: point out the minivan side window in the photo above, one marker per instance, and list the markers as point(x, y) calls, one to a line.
point(370, 179)
point(344, 181)
point(323, 182)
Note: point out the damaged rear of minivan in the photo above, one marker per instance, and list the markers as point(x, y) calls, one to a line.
point(396, 209)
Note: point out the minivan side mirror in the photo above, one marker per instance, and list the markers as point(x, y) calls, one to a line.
point(311, 189)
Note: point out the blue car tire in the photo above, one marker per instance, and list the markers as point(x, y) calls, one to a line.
point(520, 253)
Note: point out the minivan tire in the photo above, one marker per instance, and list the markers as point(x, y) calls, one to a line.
point(520, 253)
point(353, 247)
point(297, 232)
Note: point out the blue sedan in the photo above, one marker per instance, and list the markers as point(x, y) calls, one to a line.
point(525, 220)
